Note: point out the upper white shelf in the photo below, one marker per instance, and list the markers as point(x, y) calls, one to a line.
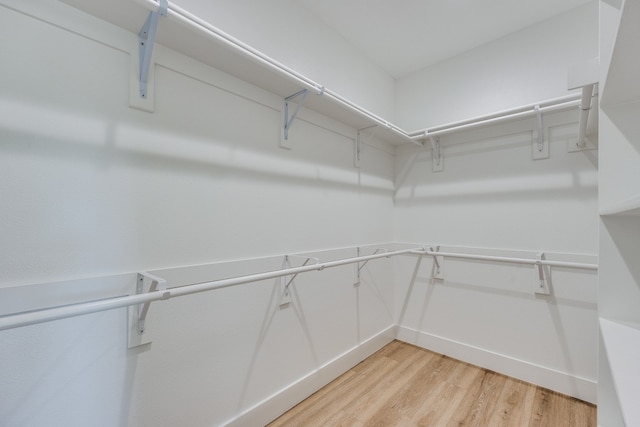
point(623, 80)
point(200, 40)
point(628, 207)
point(622, 344)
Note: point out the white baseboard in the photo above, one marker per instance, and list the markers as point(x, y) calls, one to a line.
point(283, 400)
point(275, 405)
point(561, 382)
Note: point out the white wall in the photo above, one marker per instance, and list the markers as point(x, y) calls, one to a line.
point(289, 33)
point(492, 194)
point(94, 188)
point(522, 68)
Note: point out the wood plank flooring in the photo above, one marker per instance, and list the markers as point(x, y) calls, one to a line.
point(403, 385)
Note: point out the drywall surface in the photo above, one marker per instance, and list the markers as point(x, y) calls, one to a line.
point(522, 68)
point(92, 188)
point(492, 195)
point(292, 35)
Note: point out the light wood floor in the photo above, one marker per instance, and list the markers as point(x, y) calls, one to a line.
point(403, 385)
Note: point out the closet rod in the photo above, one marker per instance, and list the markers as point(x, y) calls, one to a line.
point(195, 23)
point(16, 320)
point(585, 108)
point(554, 104)
point(579, 265)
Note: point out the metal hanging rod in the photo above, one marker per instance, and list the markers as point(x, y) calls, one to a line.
point(529, 110)
point(511, 260)
point(55, 313)
point(195, 23)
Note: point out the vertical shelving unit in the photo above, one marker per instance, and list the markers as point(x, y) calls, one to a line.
point(619, 205)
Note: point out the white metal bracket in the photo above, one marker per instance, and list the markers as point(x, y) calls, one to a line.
point(287, 281)
point(584, 143)
point(437, 159)
point(138, 313)
point(438, 264)
point(541, 282)
point(357, 146)
point(288, 119)
point(360, 266)
point(540, 147)
point(146, 40)
point(587, 144)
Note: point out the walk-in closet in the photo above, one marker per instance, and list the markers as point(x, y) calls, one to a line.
point(297, 213)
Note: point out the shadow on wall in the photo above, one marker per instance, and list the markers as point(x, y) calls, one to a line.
point(495, 169)
point(35, 130)
point(432, 283)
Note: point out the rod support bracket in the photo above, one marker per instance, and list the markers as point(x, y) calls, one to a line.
point(360, 140)
point(146, 40)
point(541, 276)
point(286, 281)
point(289, 118)
point(436, 153)
point(145, 283)
point(360, 266)
point(438, 263)
point(540, 147)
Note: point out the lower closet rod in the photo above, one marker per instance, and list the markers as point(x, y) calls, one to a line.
point(16, 320)
point(509, 259)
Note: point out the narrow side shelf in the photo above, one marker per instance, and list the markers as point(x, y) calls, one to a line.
point(622, 344)
point(628, 207)
point(622, 83)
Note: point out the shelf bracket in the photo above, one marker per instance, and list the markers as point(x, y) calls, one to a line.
point(285, 294)
point(288, 119)
point(138, 313)
point(541, 282)
point(436, 154)
point(540, 149)
point(438, 264)
point(360, 266)
point(146, 40)
point(357, 147)
point(583, 142)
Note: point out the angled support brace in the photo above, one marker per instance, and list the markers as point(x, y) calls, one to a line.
point(584, 143)
point(542, 284)
point(285, 297)
point(361, 265)
point(138, 313)
point(438, 261)
point(540, 149)
point(146, 39)
point(540, 129)
point(357, 147)
point(288, 119)
point(437, 158)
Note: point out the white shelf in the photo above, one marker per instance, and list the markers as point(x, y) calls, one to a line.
point(623, 83)
point(628, 207)
point(197, 43)
point(622, 344)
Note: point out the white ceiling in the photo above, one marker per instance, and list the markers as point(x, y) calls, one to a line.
point(403, 36)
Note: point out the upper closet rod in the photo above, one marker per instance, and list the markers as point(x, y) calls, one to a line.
point(190, 20)
point(509, 259)
point(55, 313)
point(555, 104)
